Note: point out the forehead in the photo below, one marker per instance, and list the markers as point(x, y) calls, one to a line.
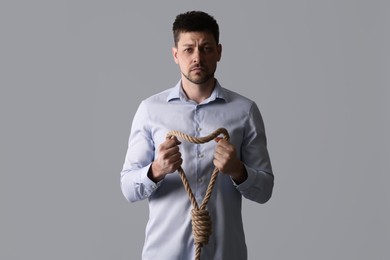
point(196, 38)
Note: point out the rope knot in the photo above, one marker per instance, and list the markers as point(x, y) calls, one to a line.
point(201, 226)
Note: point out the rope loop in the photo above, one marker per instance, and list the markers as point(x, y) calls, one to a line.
point(201, 221)
point(199, 140)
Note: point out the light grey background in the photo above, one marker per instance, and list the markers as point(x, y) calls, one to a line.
point(74, 72)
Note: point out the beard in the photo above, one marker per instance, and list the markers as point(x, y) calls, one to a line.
point(199, 78)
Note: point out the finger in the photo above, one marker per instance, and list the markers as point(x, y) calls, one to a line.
point(171, 142)
point(217, 139)
point(217, 163)
point(175, 161)
point(223, 142)
point(218, 157)
point(177, 142)
point(173, 151)
point(225, 146)
point(178, 163)
point(220, 148)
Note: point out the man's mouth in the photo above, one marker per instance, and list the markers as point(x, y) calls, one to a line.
point(197, 69)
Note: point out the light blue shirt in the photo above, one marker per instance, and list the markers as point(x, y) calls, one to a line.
point(168, 232)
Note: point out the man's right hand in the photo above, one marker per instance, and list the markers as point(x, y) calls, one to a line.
point(168, 159)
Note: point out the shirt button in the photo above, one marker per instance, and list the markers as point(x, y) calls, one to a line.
point(199, 129)
point(200, 180)
point(200, 155)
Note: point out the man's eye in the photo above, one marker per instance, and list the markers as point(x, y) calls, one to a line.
point(208, 49)
point(188, 50)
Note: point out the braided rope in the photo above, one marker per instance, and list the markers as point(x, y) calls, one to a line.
point(201, 221)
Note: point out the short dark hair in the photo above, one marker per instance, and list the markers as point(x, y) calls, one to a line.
point(195, 21)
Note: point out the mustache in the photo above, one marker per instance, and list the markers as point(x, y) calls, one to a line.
point(197, 66)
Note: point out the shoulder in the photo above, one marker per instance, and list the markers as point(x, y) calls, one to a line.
point(238, 99)
point(235, 95)
point(230, 95)
point(159, 97)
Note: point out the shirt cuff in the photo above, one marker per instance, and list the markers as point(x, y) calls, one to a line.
point(248, 182)
point(149, 185)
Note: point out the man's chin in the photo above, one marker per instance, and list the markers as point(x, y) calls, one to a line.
point(200, 80)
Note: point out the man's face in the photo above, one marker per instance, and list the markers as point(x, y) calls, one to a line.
point(197, 54)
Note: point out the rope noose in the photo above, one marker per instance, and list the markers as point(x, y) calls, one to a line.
point(201, 221)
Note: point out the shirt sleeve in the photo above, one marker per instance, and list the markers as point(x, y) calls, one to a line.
point(254, 154)
point(135, 183)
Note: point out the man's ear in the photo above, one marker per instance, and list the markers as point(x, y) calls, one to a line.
point(219, 49)
point(174, 54)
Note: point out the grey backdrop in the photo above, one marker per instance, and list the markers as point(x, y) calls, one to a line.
point(74, 72)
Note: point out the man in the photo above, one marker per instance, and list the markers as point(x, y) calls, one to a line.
point(196, 106)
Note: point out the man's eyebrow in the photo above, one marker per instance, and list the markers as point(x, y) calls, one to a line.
point(192, 44)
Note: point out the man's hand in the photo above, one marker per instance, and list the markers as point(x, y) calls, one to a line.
point(225, 159)
point(168, 159)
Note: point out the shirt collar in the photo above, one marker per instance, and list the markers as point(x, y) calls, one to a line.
point(178, 93)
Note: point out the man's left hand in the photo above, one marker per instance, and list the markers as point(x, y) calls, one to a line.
point(226, 160)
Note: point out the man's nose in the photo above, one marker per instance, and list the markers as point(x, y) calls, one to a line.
point(197, 55)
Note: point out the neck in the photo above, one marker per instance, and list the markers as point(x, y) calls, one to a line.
point(198, 92)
